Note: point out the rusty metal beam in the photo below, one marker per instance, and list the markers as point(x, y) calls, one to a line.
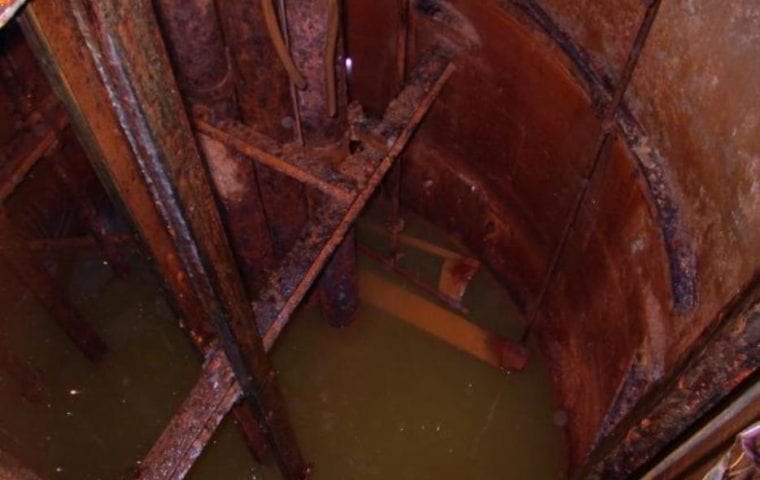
point(715, 434)
point(402, 42)
point(247, 142)
point(196, 44)
point(194, 423)
point(109, 64)
point(214, 394)
point(300, 268)
point(728, 356)
point(309, 31)
point(316, 44)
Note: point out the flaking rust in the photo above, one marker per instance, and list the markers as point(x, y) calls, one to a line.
point(724, 360)
point(195, 42)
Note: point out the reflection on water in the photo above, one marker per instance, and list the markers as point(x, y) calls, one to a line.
point(93, 422)
point(379, 399)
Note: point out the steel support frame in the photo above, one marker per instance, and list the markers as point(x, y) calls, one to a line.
point(107, 62)
point(143, 148)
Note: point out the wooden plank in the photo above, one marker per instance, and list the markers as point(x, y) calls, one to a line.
point(414, 278)
point(417, 243)
point(441, 323)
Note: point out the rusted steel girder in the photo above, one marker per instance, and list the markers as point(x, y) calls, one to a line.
point(332, 222)
point(109, 65)
point(266, 104)
point(262, 84)
point(315, 42)
point(310, 36)
point(259, 149)
point(206, 78)
point(727, 357)
point(196, 46)
point(195, 422)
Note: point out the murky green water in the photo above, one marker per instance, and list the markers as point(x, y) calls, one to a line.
point(376, 400)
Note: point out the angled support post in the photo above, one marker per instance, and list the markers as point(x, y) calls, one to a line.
point(107, 62)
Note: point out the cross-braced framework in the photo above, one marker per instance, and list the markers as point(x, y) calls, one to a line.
point(361, 172)
point(143, 143)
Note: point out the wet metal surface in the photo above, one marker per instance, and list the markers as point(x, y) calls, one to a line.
point(196, 44)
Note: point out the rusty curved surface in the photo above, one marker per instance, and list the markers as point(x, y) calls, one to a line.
point(502, 154)
point(662, 232)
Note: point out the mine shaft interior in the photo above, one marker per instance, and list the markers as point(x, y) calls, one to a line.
point(355, 239)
